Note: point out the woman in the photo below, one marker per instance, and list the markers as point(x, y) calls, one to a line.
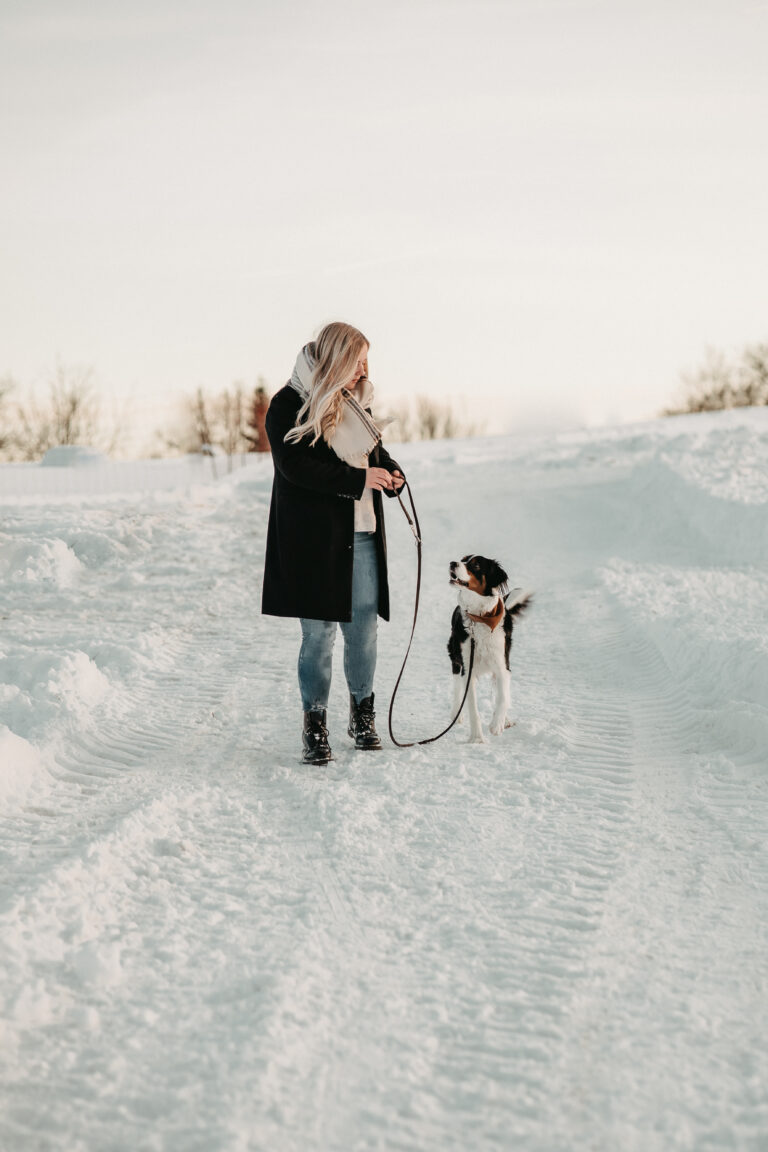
point(326, 557)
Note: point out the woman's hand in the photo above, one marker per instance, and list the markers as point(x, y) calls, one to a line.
point(378, 479)
point(383, 481)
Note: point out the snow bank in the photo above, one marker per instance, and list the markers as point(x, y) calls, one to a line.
point(23, 774)
point(38, 560)
point(703, 620)
point(73, 456)
point(75, 474)
point(44, 692)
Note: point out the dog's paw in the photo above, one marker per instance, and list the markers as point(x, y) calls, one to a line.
point(497, 729)
point(477, 739)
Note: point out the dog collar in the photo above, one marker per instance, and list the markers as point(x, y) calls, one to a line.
point(492, 618)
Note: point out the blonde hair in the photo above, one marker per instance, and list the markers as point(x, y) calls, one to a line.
point(336, 352)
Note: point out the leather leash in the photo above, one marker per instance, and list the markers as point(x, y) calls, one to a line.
point(416, 529)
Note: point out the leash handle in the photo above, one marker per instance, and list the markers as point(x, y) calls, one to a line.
point(416, 529)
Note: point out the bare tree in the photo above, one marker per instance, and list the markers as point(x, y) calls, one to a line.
point(202, 422)
point(720, 383)
point(435, 421)
point(206, 422)
point(423, 418)
point(403, 429)
point(753, 376)
point(255, 425)
point(428, 418)
point(70, 414)
point(230, 412)
point(193, 433)
point(450, 425)
point(7, 386)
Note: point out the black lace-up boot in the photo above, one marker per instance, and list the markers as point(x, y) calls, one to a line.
point(362, 728)
point(314, 737)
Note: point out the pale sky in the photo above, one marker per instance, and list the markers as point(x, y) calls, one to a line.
point(549, 208)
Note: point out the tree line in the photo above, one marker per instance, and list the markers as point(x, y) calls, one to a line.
point(230, 421)
point(720, 382)
point(70, 411)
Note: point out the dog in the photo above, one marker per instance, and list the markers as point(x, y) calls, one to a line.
point(485, 612)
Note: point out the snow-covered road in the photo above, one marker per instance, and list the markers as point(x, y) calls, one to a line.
point(553, 941)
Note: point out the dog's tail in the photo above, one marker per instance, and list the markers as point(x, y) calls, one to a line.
point(517, 601)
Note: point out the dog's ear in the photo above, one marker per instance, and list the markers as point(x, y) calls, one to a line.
point(496, 577)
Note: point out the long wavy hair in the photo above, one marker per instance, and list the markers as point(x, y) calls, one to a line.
point(336, 353)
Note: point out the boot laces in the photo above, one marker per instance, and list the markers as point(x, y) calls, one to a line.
point(318, 731)
point(365, 717)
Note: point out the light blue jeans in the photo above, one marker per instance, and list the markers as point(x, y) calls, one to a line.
point(319, 636)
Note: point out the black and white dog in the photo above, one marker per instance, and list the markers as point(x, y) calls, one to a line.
point(485, 613)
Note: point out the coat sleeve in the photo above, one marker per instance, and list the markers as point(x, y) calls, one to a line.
point(301, 465)
point(386, 461)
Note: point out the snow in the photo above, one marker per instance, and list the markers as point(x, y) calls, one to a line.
point(555, 940)
point(73, 456)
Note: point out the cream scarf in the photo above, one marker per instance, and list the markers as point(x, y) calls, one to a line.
point(356, 434)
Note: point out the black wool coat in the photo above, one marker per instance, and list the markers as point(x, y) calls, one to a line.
point(308, 566)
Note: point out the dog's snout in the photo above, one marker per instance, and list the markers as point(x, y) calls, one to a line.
point(454, 570)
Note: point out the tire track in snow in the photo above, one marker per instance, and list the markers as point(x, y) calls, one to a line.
point(443, 941)
point(548, 899)
point(672, 991)
point(154, 794)
point(168, 720)
point(158, 720)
